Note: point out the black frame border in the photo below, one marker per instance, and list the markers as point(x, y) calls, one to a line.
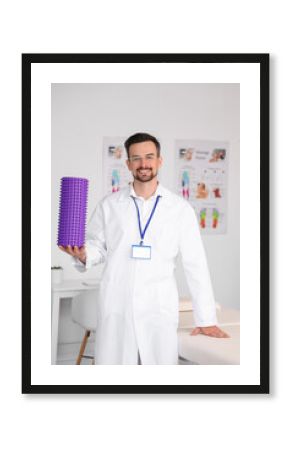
point(261, 58)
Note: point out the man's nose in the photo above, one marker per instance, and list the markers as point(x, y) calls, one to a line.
point(143, 162)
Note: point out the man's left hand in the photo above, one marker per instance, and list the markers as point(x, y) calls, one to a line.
point(213, 331)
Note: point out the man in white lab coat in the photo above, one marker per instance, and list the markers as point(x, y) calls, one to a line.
point(138, 233)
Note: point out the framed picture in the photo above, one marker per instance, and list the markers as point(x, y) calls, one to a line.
point(210, 116)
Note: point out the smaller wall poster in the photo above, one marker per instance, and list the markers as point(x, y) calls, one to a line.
point(115, 172)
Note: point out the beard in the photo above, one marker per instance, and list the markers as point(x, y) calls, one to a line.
point(145, 177)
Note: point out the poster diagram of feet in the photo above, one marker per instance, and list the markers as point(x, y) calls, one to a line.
point(116, 174)
point(202, 180)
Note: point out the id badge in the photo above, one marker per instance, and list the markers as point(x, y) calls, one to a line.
point(141, 251)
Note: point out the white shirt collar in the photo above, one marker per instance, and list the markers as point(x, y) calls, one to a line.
point(153, 196)
point(167, 196)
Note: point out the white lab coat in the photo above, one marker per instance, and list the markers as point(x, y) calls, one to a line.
point(138, 304)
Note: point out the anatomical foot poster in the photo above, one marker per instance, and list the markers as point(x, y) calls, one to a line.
point(202, 168)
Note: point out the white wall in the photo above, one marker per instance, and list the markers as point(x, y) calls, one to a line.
point(82, 114)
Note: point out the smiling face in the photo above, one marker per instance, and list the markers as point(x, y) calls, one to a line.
point(143, 161)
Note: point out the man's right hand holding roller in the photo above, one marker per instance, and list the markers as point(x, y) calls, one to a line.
point(77, 252)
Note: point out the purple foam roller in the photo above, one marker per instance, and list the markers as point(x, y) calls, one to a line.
point(72, 211)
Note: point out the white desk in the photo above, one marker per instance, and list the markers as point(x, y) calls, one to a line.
point(65, 289)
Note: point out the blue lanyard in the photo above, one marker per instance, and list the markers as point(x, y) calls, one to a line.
point(142, 233)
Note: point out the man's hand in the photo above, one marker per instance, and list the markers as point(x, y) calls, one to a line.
point(78, 252)
point(213, 331)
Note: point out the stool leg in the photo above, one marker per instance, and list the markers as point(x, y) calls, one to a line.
point(83, 346)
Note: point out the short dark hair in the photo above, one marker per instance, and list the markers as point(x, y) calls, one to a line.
point(141, 137)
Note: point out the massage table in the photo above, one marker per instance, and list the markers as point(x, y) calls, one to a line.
point(206, 350)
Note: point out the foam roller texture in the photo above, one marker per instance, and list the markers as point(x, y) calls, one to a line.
point(72, 211)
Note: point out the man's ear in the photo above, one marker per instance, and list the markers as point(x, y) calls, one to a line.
point(160, 161)
point(129, 165)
